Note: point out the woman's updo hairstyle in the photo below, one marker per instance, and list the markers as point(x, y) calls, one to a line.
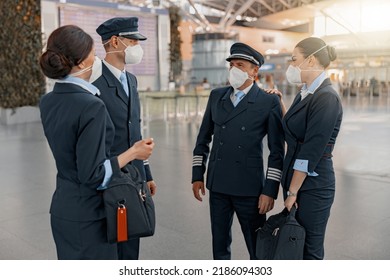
point(67, 46)
point(312, 44)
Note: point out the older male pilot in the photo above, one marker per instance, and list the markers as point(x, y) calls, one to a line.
point(236, 120)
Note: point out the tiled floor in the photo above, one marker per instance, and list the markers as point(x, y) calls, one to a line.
point(359, 227)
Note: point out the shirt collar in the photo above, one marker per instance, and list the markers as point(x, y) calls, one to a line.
point(115, 71)
point(81, 83)
point(315, 84)
point(245, 90)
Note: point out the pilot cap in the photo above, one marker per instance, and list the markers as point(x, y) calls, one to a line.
point(243, 51)
point(120, 26)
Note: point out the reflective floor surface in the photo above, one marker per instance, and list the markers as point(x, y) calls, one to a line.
point(359, 226)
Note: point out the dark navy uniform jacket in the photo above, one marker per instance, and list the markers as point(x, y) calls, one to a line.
point(311, 127)
point(125, 113)
point(80, 132)
point(235, 164)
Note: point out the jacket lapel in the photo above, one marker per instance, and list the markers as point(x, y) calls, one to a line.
point(249, 98)
point(132, 91)
point(298, 105)
point(115, 85)
point(226, 101)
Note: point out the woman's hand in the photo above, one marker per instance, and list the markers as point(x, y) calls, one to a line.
point(290, 201)
point(280, 95)
point(274, 91)
point(141, 150)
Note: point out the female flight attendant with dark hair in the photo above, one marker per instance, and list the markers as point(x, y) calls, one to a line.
point(311, 126)
point(79, 132)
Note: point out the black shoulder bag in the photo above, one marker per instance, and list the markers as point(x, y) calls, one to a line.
point(129, 206)
point(281, 237)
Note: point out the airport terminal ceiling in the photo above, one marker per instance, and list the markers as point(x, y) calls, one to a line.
point(289, 15)
point(319, 17)
point(358, 29)
point(346, 24)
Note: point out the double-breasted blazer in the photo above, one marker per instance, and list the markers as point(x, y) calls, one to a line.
point(235, 163)
point(311, 127)
point(125, 113)
point(79, 132)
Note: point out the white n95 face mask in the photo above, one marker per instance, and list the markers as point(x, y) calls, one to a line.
point(237, 77)
point(96, 70)
point(293, 75)
point(133, 54)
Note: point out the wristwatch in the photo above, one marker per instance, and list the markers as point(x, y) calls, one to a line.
point(291, 193)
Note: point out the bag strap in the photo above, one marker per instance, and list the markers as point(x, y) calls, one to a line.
point(133, 172)
point(293, 211)
point(128, 168)
point(291, 214)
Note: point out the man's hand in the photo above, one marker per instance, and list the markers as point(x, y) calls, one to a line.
point(266, 204)
point(196, 187)
point(152, 187)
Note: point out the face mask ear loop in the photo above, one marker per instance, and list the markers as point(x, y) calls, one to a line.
point(122, 42)
point(319, 50)
point(312, 54)
point(299, 66)
point(82, 71)
point(115, 51)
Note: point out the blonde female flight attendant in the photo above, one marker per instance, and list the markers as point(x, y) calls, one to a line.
point(80, 132)
point(311, 126)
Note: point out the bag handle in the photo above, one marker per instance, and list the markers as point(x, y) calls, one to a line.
point(293, 211)
point(290, 213)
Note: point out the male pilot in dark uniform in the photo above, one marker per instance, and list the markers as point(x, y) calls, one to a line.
point(118, 90)
point(236, 120)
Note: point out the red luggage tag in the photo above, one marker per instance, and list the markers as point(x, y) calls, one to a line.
point(121, 223)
